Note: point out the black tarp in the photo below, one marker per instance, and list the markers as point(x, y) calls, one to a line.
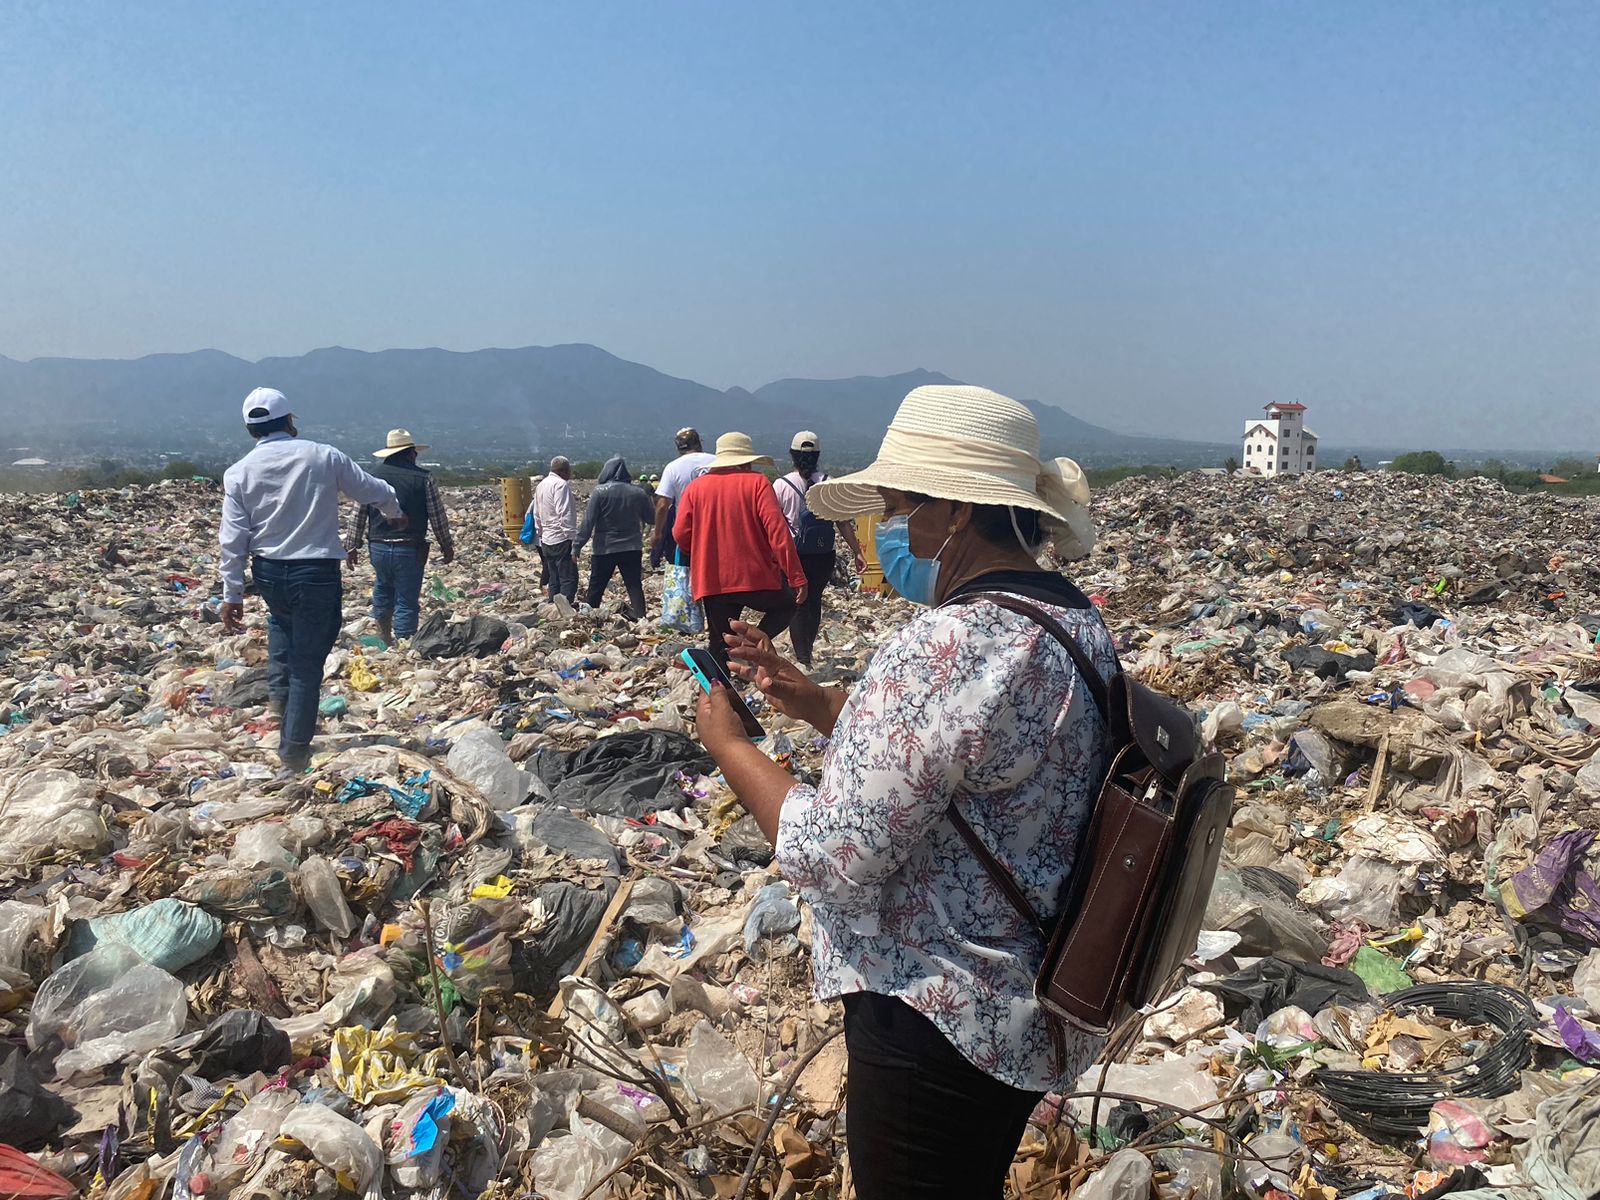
point(630, 775)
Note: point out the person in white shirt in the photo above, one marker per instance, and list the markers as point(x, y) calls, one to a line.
point(691, 463)
point(814, 538)
point(280, 510)
point(557, 521)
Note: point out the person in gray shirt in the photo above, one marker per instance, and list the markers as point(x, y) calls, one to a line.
point(615, 518)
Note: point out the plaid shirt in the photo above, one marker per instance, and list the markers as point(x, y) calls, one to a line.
point(438, 520)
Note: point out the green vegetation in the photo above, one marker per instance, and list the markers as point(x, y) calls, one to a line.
point(1424, 462)
point(1580, 475)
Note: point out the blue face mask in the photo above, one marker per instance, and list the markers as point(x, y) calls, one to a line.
point(917, 579)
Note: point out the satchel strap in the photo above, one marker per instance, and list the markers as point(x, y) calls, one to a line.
point(1087, 671)
point(1090, 674)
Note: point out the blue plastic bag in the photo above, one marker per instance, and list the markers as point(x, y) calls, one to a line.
point(529, 530)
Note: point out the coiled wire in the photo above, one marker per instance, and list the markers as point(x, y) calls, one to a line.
point(1396, 1103)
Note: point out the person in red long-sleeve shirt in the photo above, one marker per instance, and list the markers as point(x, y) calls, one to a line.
point(741, 552)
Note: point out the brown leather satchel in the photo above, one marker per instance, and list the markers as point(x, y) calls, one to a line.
point(1134, 902)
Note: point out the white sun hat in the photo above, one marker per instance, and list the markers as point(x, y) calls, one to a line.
point(398, 440)
point(737, 450)
point(962, 443)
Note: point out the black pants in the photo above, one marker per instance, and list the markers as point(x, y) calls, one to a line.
point(563, 570)
point(721, 611)
point(921, 1121)
point(629, 563)
point(807, 618)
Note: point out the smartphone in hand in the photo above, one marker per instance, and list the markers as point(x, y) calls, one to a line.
point(706, 670)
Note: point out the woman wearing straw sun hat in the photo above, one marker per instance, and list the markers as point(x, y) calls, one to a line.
point(968, 706)
point(741, 553)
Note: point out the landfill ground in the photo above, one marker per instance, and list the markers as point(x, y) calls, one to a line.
point(511, 937)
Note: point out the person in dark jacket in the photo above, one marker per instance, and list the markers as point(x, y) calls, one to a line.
point(400, 553)
point(615, 518)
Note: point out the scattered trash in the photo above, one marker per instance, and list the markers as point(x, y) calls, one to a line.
point(510, 934)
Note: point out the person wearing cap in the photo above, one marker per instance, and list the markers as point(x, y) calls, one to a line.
point(615, 518)
point(813, 538)
point(280, 513)
point(741, 553)
point(691, 463)
point(400, 553)
point(556, 519)
point(967, 707)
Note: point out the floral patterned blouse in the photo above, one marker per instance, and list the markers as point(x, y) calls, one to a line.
point(969, 705)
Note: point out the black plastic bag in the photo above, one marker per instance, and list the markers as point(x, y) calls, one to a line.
point(631, 774)
point(440, 637)
point(30, 1113)
point(1255, 994)
point(240, 1042)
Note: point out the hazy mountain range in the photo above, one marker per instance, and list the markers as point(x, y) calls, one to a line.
point(506, 406)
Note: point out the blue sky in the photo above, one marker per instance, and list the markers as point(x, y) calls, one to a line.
point(1158, 216)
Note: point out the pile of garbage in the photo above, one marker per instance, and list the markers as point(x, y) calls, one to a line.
point(512, 936)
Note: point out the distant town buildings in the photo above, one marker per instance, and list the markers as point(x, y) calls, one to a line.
point(1280, 443)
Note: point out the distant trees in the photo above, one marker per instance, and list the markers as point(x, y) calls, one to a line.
point(1352, 464)
point(1424, 462)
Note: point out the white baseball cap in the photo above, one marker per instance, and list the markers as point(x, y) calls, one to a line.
point(266, 404)
point(805, 440)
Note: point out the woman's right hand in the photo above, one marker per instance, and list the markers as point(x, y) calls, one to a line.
point(786, 686)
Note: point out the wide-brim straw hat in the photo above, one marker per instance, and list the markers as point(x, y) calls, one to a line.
point(399, 439)
point(969, 444)
point(736, 450)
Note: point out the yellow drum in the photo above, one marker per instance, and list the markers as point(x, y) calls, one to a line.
point(872, 578)
point(516, 494)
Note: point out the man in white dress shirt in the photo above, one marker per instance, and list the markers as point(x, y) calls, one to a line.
point(557, 520)
point(280, 510)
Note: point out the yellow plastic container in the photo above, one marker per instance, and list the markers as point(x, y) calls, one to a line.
point(516, 493)
point(872, 578)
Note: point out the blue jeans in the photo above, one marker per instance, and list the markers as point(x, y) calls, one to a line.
point(397, 583)
point(303, 599)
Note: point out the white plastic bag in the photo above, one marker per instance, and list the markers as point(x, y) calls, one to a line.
point(1126, 1176)
point(263, 846)
point(248, 1135)
point(338, 1144)
point(19, 924)
point(49, 811)
point(565, 1168)
point(319, 888)
point(105, 1006)
point(479, 757)
point(718, 1075)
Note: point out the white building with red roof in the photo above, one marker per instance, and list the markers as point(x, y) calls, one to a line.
point(1280, 443)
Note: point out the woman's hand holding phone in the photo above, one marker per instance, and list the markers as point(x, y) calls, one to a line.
point(786, 686)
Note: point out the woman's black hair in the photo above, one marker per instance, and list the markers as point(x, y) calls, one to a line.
point(993, 522)
point(805, 461)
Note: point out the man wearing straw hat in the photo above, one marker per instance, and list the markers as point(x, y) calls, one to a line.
point(399, 553)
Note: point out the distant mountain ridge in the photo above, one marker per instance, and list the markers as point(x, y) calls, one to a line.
point(518, 404)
